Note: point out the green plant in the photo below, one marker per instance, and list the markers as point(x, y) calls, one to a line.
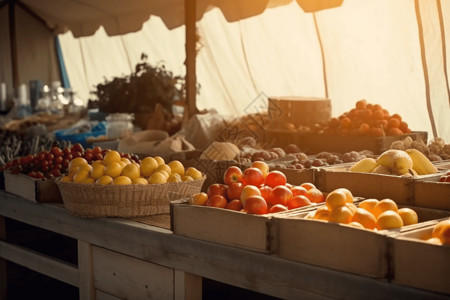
point(142, 90)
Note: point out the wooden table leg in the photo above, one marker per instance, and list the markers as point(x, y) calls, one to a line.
point(187, 286)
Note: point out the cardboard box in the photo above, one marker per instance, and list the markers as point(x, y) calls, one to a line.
point(338, 246)
point(419, 264)
point(313, 143)
point(221, 226)
point(429, 192)
point(36, 190)
point(367, 185)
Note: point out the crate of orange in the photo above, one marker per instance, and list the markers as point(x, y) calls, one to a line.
point(348, 235)
point(421, 257)
point(238, 212)
point(117, 187)
point(367, 126)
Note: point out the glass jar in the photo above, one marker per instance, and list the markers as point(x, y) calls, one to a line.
point(118, 125)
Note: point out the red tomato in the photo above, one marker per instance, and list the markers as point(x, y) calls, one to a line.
point(252, 176)
point(275, 178)
point(235, 204)
point(265, 191)
point(298, 201)
point(234, 190)
point(277, 208)
point(279, 195)
point(217, 201)
point(255, 205)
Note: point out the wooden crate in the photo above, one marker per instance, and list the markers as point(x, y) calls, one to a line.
point(32, 189)
point(419, 264)
point(429, 192)
point(338, 246)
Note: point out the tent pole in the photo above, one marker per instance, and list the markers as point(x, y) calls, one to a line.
point(13, 42)
point(191, 54)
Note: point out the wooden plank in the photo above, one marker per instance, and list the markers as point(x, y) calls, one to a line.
point(100, 295)
point(130, 278)
point(41, 263)
point(3, 263)
point(242, 268)
point(187, 286)
point(86, 283)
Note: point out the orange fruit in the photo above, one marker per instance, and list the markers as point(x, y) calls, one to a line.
point(336, 198)
point(389, 219)
point(340, 214)
point(113, 169)
point(444, 234)
point(111, 156)
point(408, 216)
point(88, 180)
point(121, 180)
point(322, 213)
point(159, 160)
point(384, 205)
point(365, 218)
point(308, 185)
point(79, 176)
point(438, 227)
point(356, 224)
point(368, 204)
point(194, 173)
point(352, 207)
point(348, 195)
point(66, 179)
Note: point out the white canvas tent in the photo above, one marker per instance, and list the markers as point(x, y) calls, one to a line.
point(389, 52)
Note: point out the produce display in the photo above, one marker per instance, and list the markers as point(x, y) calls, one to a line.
point(365, 119)
point(256, 190)
point(435, 150)
point(441, 233)
point(370, 213)
point(120, 169)
point(408, 162)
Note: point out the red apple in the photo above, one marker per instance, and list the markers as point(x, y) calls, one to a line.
point(298, 190)
point(232, 174)
point(235, 204)
point(248, 191)
point(275, 178)
point(277, 208)
point(217, 189)
point(256, 205)
point(217, 201)
point(263, 166)
point(298, 201)
point(234, 190)
point(252, 176)
point(279, 195)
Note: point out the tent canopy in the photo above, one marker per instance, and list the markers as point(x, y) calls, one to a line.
point(393, 53)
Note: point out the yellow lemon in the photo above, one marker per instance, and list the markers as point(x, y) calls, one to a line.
point(121, 180)
point(98, 170)
point(177, 167)
point(408, 216)
point(159, 160)
point(66, 179)
point(336, 198)
point(148, 166)
point(88, 180)
point(125, 160)
point(113, 169)
point(187, 178)
point(97, 162)
point(194, 173)
point(340, 214)
point(174, 178)
point(165, 168)
point(76, 162)
point(104, 180)
point(368, 204)
point(131, 171)
point(384, 205)
point(111, 156)
point(80, 176)
point(157, 177)
point(139, 180)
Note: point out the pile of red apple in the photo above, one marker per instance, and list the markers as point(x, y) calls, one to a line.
point(445, 177)
point(256, 190)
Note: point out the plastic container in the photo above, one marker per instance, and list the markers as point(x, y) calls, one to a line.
point(118, 125)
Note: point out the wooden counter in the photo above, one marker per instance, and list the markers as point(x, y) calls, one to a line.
point(134, 256)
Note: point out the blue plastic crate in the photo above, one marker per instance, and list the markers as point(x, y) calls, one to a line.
point(65, 134)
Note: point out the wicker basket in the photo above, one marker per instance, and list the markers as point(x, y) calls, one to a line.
point(94, 201)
